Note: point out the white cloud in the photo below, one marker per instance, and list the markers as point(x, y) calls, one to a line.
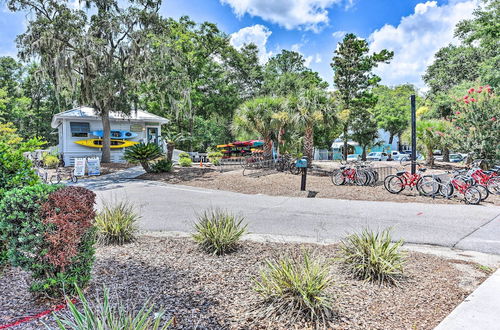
point(257, 34)
point(417, 38)
point(291, 14)
point(308, 61)
point(318, 58)
point(339, 34)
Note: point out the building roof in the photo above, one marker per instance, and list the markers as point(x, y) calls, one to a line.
point(89, 113)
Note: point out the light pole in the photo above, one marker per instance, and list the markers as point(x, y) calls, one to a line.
point(413, 135)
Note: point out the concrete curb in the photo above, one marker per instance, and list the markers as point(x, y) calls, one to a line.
point(480, 310)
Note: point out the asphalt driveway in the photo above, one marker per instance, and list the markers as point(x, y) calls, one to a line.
point(166, 207)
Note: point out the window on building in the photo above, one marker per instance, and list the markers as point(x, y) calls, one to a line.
point(80, 129)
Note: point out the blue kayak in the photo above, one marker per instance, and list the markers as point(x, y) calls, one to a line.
point(116, 134)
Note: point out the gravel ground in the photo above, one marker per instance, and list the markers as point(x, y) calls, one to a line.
point(209, 292)
point(270, 182)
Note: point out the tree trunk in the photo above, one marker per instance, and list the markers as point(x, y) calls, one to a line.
point(146, 167)
point(399, 142)
point(391, 138)
point(106, 137)
point(430, 157)
point(446, 155)
point(309, 145)
point(363, 154)
point(345, 151)
point(170, 151)
point(268, 146)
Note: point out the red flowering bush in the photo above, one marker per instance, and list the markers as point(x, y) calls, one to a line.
point(48, 230)
point(477, 130)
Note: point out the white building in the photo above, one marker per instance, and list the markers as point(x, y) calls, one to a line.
point(79, 123)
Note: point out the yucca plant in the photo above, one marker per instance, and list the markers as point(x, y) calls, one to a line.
point(371, 256)
point(117, 223)
point(296, 288)
point(218, 231)
point(102, 314)
point(143, 153)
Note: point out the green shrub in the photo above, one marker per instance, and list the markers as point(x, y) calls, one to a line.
point(117, 224)
point(215, 157)
point(162, 166)
point(50, 161)
point(103, 314)
point(185, 162)
point(296, 287)
point(184, 155)
point(143, 153)
point(371, 256)
point(218, 232)
point(16, 171)
point(47, 229)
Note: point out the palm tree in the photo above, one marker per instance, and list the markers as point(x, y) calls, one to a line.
point(280, 120)
point(256, 116)
point(172, 139)
point(310, 108)
point(431, 135)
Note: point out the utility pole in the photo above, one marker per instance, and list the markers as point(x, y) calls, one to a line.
point(413, 135)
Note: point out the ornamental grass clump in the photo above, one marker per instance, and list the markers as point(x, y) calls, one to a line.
point(371, 256)
point(296, 288)
point(117, 223)
point(103, 314)
point(218, 231)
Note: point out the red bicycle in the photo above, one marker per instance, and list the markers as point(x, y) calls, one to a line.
point(490, 179)
point(397, 183)
point(347, 175)
point(472, 195)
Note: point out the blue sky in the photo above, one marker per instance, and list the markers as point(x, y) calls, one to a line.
point(414, 29)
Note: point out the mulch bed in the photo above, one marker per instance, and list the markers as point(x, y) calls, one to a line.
point(270, 182)
point(209, 292)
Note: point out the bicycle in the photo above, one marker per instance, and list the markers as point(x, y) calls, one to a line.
point(473, 193)
point(42, 174)
point(402, 179)
point(56, 178)
point(348, 175)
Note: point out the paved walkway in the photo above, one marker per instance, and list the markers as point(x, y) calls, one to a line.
point(166, 207)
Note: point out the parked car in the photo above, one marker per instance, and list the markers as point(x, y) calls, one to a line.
point(353, 157)
point(406, 156)
point(456, 158)
point(396, 155)
point(377, 156)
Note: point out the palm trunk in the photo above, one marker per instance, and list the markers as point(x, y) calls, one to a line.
point(106, 137)
point(146, 167)
point(268, 145)
point(430, 157)
point(446, 155)
point(170, 151)
point(309, 144)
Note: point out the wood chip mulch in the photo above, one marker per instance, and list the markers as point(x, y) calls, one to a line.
point(208, 292)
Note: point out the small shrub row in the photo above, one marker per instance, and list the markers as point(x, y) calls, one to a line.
point(162, 166)
point(47, 230)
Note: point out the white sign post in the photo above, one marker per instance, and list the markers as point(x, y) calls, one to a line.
point(79, 167)
point(94, 166)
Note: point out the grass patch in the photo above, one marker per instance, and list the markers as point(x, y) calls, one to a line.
point(102, 314)
point(117, 223)
point(295, 288)
point(218, 231)
point(371, 256)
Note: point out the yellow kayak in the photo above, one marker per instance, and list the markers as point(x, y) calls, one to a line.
point(97, 143)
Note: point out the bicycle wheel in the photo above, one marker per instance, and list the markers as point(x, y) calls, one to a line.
point(338, 178)
point(483, 190)
point(73, 178)
point(472, 196)
point(360, 178)
point(446, 190)
point(394, 184)
point(493, 185)
point(428, 186)
point(55, 179)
